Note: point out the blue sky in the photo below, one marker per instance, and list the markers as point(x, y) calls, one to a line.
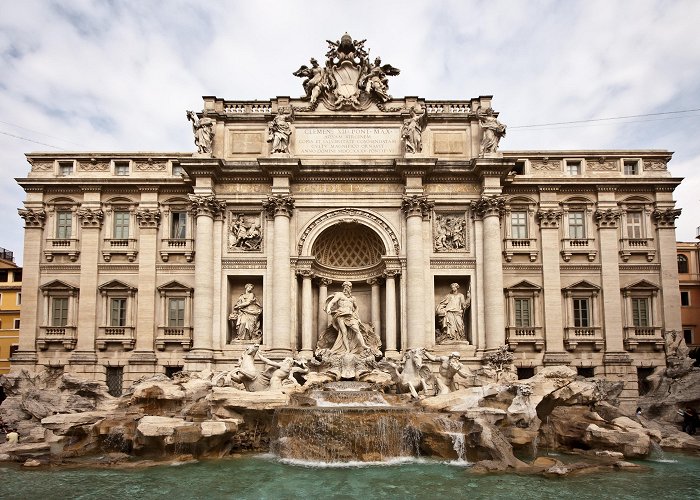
point(96, 75)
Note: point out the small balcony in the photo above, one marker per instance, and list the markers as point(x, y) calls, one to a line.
point(115, 335)
point(119, 246)
point(65, 335)
point(174, 335)
point(525, 335)
point(571, 246)
point(176, 246)
point(575, 335)
point(644, 246)
point(58, 246)
point(520, 246)
point(643, 335)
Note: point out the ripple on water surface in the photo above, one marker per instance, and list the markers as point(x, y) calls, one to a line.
point(265, 477)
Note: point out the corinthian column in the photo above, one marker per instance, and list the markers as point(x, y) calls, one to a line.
point(307, 311)
point(489, 209)
point(415, 208)
point(280, 208)
point(33, 232)
point(204, 209)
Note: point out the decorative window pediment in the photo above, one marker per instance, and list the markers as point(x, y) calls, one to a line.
point(524, 286)
point(174, 286)
point(582, 286)
point(58, 286)
point(116, 286)
point(641, 286)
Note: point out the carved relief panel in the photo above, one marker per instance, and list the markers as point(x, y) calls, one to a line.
point(245, 232)
point(449, 232)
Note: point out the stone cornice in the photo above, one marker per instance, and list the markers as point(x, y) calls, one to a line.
point(279, 205)
point(415, 167)
point(286, 166)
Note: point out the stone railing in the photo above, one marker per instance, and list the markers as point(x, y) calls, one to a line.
point(448, 107)
point(520, 245)
point(258, 108)
point(635, 335)
point(175, 335)
point(570, 246)
point(126, 246)
point(179, 246)
point(574, 335)
point(65, 246)
point(63, 334)
point(115, 334)
point(524, 335)
point(629, 246)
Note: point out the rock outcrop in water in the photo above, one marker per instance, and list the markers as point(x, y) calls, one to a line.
point(59, 416)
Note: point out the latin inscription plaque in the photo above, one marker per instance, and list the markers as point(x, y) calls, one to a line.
point(350, 141)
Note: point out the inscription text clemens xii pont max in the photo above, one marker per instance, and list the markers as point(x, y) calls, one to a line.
point(347, 141)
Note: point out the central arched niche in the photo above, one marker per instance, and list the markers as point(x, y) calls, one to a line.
point(348, 245)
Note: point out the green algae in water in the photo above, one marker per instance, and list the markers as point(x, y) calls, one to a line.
point(264, 477)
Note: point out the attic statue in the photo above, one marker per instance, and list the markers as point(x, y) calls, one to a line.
point(279, 130)
point(412, 131)
point(203, 129)
point(493, 130)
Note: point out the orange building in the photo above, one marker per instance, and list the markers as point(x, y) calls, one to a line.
point(689, 281)
point(10, 300)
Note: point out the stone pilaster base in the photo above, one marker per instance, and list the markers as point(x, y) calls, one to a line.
point(24, 358)
point(556, 358)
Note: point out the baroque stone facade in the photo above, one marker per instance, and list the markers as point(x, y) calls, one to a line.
point(134, 262)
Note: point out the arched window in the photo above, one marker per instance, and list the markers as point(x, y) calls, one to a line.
point(682, 264)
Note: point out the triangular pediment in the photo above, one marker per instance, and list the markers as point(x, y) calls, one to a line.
point(58, 285)
point(525, 285)
point(174, 286)
point(641, 285)
point(582, 285)
point(115, 285)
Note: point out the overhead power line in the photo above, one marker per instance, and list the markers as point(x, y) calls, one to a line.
point(605, 119)
point(31, 140)
point(40, 133)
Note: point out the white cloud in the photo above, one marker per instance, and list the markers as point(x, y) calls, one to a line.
point(100, 75)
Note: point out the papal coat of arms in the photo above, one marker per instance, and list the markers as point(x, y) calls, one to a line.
point(348, 80)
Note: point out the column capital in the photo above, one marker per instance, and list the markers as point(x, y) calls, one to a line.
point(279, 205)
point(373, 281)
point(607, 218)
point(206, 205)
point(305, 273)
point(32, 218)
point(325, 282)
point(666, 218)
point(416, 205)
point(148, 217)
point(488, 206)
point(91, 217)
point(549, 218)
point(391, 273)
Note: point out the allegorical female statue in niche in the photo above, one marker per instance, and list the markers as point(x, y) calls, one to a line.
point(245, 316)
point(279, 130)
point(450, 314)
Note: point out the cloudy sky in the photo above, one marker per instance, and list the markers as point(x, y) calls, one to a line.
point(100, 75)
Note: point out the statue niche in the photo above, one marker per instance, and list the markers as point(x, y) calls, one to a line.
point(245, 317)
point(450, 315)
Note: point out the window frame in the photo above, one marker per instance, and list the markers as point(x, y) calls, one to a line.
point(633, 164)
point(65, 168)
point(578, 163)
point(121, 168)
point(582, 225)
point(686, 294)
point(686, 265)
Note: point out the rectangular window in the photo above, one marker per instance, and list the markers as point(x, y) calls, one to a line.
point(65, 168)
point(523, 315)
point(631, 167)
point(685, 298)
point(178, 225)
point(573, 167)
point(121, 225)
point(581, 313)
point(688, 335)
point(64, 224)
point(59, 311)
point(525, 372)
point(640, 312)
point(4, 276)
point(518, 225)
point(585, 371)
point(577, 227)
point(19, 298)
point(117, 315)
point(176, 312)
point(121, 168)
point(16, 324)
point(634, 224)
point(17, 276)
point(115, 377)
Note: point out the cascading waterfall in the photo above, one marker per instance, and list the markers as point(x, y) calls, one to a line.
point(455, 429)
